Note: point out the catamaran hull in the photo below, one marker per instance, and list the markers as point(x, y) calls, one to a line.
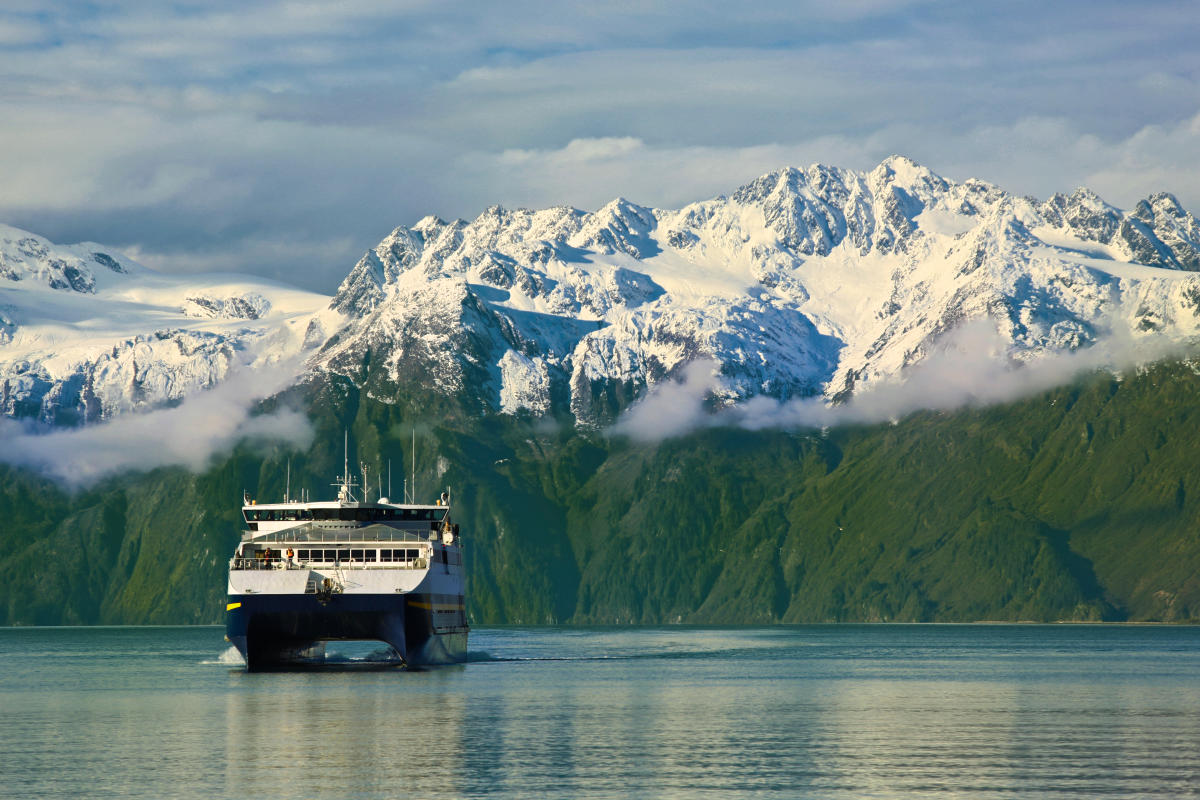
point(273, 631)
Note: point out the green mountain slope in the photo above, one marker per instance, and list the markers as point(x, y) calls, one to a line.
point(1079, 504)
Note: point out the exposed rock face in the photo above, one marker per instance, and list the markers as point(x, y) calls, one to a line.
point(250, 305)
point(1157, 233)
point(1171, 232)
point(24, 257)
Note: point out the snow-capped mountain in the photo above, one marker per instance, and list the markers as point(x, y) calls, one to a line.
point(86, 334)
point(803, 282)
point(813, 282)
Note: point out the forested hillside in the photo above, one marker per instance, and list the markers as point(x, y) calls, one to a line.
point(1079, 504)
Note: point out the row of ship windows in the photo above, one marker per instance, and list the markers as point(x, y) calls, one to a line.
point(345, 514)
point(364, 556)
point(384, 556)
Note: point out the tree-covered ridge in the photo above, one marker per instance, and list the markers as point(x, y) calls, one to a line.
point(1078, 504)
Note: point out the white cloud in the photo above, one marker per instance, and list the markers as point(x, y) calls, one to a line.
point(188, 435)
point(971, 369)
point(1031, 155)
point(673, 408)
point(201, 133)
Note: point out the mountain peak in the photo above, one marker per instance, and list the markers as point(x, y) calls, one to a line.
point(805, 281)
point(1165, 202)
point(903, 165)
point(904, 173)
point(80, 268)
point(428, 223)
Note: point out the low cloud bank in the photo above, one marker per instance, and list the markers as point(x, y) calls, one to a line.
point(972, 368)
point(188, 435)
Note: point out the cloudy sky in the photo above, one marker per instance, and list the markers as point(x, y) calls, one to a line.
point(284, 138)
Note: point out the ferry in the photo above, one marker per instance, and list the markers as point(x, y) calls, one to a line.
point(307, 573)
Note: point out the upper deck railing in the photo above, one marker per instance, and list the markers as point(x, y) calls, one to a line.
point(355, 513)
point(368, 533)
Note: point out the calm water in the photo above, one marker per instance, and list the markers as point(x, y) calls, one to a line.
point(821, 711)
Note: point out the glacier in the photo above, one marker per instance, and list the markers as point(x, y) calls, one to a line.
point(87, 335)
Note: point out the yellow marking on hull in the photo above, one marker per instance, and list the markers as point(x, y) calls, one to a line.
point(436, 606)
point(232, 606)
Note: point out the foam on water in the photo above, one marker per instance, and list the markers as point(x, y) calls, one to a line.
point(230, 658)
point(353, 652)
point(341, 653)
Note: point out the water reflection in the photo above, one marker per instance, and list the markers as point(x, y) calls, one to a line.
point(321, 733)
point(826, 712)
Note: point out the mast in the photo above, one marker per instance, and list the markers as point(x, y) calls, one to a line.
point(414, 464)
point(345, 481)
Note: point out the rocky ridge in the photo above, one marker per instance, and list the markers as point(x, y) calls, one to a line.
point(804, 282)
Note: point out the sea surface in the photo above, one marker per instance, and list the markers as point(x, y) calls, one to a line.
point(827, 711)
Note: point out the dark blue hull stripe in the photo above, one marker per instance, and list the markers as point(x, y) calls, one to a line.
point(272, 630)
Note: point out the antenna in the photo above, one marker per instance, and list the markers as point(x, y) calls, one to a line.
point(287, 493)
point(346, 482)
point(389, 477)
point(414, 464)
